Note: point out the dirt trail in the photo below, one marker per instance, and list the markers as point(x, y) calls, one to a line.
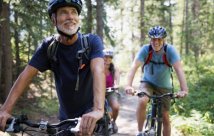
point(126, 122)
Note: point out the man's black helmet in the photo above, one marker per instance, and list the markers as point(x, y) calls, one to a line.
point(157, 32)
point(53, 5)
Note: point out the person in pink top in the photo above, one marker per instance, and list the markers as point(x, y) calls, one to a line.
point(112, 81)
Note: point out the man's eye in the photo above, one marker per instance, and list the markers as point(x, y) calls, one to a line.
point(62, 13)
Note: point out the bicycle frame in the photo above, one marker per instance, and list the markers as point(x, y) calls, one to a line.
point(156, 115)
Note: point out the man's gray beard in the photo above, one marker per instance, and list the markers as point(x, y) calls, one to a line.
point(68, 31)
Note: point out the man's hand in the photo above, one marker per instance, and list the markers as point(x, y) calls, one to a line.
point(182, 94)
point(88, 122)
point(3, 119)
point(130, 90)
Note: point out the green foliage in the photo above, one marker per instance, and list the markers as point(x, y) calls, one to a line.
point(196, 130)
point(198, 107)
point(48, 106)
point(37, 106)
point(31, 22)
point(192, 126)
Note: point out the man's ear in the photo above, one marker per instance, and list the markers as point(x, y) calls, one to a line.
point(53, 19)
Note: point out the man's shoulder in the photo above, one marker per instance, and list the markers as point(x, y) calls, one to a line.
point(170, 48)
point(145, 48)
point(49, 39)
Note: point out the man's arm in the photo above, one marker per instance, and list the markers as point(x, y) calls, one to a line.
point(89, 120)
point(97, 68)
point(182, 80)
point(18, 88)
point(135, 65)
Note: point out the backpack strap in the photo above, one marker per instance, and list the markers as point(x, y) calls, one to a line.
point(165, 60)
point(52, 49)
point(85, 45)
point(84, 51)
point(149, 57)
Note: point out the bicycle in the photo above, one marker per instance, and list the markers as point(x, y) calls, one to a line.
point(21, 124)
point(112, 127)
point(153, 126)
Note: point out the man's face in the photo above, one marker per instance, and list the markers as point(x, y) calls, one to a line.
point(67, 20)
point(157, 43)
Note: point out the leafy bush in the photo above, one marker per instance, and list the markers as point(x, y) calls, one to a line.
point(198, 107)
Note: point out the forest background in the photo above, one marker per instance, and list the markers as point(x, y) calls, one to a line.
point(123, 27)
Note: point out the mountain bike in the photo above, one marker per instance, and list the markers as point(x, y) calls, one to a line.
point(22, 124)
point(153, 126)
point(112, 126)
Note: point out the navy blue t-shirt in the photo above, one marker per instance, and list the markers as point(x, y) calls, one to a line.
point(72, 103)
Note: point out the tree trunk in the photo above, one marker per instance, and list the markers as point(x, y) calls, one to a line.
point(182, 30)
point(100, 23)
point(170, 22)
point(89, 16)
point(16, 37)
point(7, 52)
point(196, 33)
point(186, 28)
point(142, 23)
point(1, 2)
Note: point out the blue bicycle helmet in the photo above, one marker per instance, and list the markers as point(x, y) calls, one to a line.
point(157, 32)
point(53, 5)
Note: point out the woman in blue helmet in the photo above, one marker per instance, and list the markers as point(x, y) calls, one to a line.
point(86, 100)
point(156, 77)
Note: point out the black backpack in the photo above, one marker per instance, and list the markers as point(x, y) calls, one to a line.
point(85, 50)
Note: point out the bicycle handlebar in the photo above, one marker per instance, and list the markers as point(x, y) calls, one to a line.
point(14, 124)
point(112, 89)
point(141, 94)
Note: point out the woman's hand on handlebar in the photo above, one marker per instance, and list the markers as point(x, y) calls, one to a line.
point(130, 90)
point(88, 122)
point(3, 119)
